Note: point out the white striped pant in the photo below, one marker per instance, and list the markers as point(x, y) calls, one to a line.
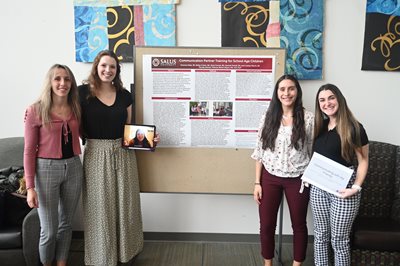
point(333, 218)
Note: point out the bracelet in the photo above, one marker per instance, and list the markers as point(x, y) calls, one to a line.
point(257, 183)
point(356, 187)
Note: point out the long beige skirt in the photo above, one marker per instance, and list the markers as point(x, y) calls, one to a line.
point(111, 203)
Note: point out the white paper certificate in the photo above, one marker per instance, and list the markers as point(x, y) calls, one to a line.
point(327, 174)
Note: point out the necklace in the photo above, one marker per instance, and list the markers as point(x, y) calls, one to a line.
point(286, 117)
point(331, 124)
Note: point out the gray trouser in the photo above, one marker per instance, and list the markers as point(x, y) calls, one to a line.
point(58, 185)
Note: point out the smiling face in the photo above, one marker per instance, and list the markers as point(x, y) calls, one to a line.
point(140, 136)
point(61, 83)
point(328, 103)
point(287, 93)
point(107, 69)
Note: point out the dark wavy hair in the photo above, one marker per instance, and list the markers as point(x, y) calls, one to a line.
point(94, 79)
point(274, 114)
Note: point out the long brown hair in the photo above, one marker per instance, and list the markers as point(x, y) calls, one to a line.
point(347, 125)
point(274, 114)
point(94, 80)
point(44, 103)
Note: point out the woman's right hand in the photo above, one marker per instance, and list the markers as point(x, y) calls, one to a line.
point(32, 198)
point(257, 193)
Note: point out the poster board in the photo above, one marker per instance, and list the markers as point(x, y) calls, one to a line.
point(196, 170)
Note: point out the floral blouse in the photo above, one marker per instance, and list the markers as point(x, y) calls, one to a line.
point(286, 161)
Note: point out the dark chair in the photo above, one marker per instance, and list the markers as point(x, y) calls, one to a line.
point(19, 236)
point(376, 230)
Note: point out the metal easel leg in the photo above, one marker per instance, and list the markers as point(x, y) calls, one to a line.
point(279, 248)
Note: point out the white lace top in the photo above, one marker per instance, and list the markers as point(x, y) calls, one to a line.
point(286, 161)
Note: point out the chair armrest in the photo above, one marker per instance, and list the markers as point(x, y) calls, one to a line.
point(30, 238)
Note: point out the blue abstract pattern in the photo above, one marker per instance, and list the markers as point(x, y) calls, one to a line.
point(159, 25)
point(90, 32)
point(122, 2)
point(225, 1)
point(95, 32)
point(301, 35)
point(387, 7)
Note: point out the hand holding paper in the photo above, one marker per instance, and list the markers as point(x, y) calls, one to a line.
point(327, 174)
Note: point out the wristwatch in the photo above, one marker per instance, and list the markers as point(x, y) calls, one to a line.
point(357, 187)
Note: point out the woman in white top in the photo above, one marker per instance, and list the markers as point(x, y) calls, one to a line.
point(282, 153)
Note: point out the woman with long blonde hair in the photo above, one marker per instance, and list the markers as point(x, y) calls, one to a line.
point(53, 169)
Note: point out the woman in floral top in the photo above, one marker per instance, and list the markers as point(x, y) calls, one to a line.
point(282, 153)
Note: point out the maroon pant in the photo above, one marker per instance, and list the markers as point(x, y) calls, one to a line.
point(272, 189)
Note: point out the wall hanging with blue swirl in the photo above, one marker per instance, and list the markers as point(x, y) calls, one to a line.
point(296, 25)
point(100, 26)
point(382, 36)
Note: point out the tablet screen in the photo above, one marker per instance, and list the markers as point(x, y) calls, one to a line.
point(139, 137)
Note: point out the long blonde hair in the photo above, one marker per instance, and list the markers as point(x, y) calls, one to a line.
point(44, 103)
point(347, 125)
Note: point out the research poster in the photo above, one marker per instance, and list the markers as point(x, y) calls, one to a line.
point(207, 101)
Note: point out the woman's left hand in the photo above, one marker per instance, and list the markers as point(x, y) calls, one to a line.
point(347, 192)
